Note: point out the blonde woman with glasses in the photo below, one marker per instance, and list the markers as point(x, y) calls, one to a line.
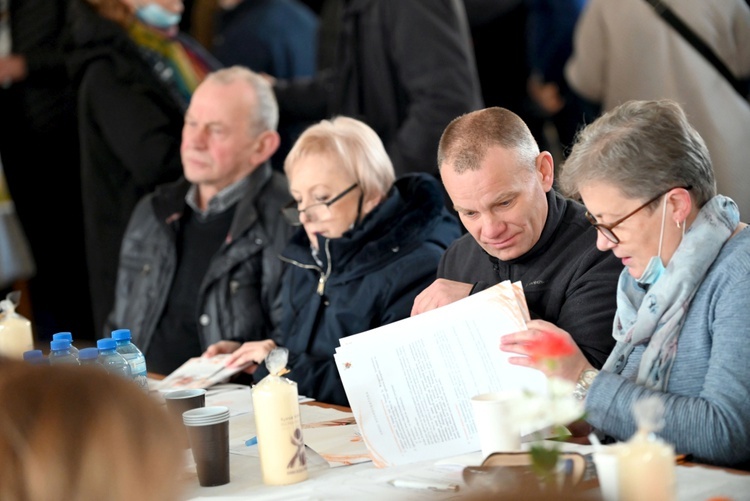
point(367, 244)
point(681, 326)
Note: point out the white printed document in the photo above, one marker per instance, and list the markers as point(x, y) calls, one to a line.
point(409, 383)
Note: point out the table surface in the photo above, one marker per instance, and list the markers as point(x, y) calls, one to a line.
point(366, 482)
point(363, 481)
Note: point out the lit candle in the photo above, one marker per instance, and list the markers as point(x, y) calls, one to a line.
point(279, 430)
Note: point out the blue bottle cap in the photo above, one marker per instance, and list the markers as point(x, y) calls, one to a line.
point(120, 334)
point(63, 335)
point(59, 344)
point(106, 343)
point(32, 354)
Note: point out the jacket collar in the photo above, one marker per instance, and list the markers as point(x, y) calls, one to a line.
point(169, 200)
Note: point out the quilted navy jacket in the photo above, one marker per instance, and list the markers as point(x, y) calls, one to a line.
point(370, 277)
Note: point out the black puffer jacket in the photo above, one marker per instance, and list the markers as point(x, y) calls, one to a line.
point(370, 277)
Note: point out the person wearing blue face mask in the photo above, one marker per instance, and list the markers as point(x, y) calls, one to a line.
point(157, 16)
point(135, 73)
point(646, 178)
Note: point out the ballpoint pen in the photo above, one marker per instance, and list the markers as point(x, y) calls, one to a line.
point(423, 484)
point(251, 441)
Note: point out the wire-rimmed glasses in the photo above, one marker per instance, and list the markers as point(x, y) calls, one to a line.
point(316, 212)
point(606, 229)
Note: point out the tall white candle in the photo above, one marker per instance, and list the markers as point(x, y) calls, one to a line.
point(279, 429)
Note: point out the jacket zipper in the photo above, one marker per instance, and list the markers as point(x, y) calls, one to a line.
point(323, 275)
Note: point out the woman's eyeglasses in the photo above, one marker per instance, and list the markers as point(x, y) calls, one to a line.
point(314, 212)
point(606, 229)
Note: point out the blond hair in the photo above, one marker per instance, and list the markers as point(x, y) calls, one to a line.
point(353, 145)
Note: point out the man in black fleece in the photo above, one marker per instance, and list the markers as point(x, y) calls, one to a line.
point(521, 229)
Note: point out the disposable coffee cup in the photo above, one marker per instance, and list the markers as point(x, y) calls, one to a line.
point(208, 432)
point(179, 401)
point(496, 426)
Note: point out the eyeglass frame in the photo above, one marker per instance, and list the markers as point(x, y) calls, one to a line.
point(292, 206)
point(607, 229)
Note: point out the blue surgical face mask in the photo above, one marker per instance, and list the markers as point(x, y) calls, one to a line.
point(655, 267)
point(157, 16)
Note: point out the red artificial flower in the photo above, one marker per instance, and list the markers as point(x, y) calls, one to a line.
point(550, 345)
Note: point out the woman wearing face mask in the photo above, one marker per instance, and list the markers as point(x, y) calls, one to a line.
point(135, 74)
point(682, 318)
point(365, 248)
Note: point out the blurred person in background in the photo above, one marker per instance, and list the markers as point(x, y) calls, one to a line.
point(276, 37)
point(550, 42)
point(135, 74)
point(367, 243)
point(404, 68)
point(77, 433)
point(624, 50)
point(39, 154)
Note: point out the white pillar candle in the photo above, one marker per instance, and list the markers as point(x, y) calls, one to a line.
point(15, 334)
point(646, 470)
point(280, 444)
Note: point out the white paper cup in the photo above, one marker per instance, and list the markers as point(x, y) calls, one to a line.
point(605, 460)
point(493, 416)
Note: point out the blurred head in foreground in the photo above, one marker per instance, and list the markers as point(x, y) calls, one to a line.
point(73, 433)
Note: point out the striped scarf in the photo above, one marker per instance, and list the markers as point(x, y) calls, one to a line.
point(177, 61)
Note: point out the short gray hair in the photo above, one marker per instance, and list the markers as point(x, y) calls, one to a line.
point(466, 139)
point(265, 115)
point(354, 146)
point(644, 148)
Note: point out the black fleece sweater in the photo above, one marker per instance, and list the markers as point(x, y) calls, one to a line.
point(565, 278)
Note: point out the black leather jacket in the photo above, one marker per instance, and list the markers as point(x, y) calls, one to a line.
point(239, 295)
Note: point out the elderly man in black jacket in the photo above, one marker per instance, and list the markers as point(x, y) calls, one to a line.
point(520, 229)
point(199, 261)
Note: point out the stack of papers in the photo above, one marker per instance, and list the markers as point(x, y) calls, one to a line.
point(410, 383)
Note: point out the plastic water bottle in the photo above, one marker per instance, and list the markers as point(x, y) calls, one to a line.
point(60, 353)
point(133, 355)
point(35, 357)
point(112, 361)
point(90, 356)
point(69, 337)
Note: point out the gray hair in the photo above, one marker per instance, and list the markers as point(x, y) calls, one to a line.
point(466, 139)
point(265, 115)
point(644, 148)
point(354, 146)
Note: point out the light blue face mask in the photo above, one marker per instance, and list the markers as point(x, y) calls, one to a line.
point(157, 16)
point(655, 267)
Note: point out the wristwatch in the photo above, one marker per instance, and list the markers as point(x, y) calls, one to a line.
point(584, 383)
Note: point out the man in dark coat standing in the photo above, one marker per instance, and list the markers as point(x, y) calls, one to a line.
point(404, 68)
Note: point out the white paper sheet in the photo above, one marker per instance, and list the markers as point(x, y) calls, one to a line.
point(409, 383)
